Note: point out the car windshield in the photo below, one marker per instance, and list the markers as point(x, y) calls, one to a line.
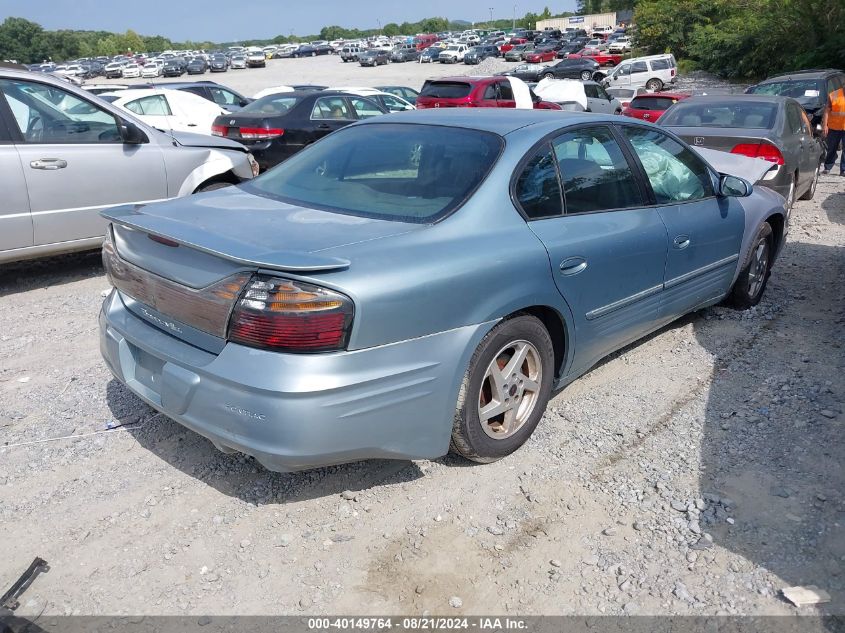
point(806, 91)
point(446, 89)
point(276, 104)
point(727, 115)
point(419, 174)
point(620, 92)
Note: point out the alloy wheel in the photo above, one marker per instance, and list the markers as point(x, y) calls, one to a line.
point(758, 269)
point(510, 389)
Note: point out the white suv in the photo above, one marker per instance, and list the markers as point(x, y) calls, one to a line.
point(653, 73)
point(453, 54)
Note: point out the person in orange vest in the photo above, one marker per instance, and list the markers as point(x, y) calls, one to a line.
point(834, 128)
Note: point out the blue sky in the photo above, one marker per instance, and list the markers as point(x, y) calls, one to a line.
point(229, 20)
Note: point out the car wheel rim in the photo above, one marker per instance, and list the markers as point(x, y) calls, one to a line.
point(585, 76)
point(510, 389)
point(758, 268)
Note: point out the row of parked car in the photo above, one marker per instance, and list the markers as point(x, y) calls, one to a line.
point(323, 266)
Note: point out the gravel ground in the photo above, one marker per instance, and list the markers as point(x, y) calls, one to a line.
point(698, 471)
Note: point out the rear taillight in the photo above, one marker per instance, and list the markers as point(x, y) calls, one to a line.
point(291, 316)
point(766, 151)
point(219, 130)
point(260, 133)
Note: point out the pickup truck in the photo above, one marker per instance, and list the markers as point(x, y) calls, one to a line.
point(603, 58)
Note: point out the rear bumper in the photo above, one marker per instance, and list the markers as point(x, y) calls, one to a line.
point(294, 412)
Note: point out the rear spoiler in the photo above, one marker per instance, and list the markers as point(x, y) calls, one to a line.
point(219, 245)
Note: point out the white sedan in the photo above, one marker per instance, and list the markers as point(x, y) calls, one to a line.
point(131, 71)
point(150, 71)
point(168, 109)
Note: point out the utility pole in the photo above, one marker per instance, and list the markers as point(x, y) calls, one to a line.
point(513, 25)
point(491, 16)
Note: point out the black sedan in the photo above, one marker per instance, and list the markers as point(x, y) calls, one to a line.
point(582, 69)
point(404, 55)
point(219, 64)
point(196, 66)
point(374, 57)
point(173, 68)
point(307, 50)
point(478, 54)
point(277, 126)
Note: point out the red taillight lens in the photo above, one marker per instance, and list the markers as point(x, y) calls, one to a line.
point(766, 151)
point(292, 316)
point(219, 130)
point(258, 133)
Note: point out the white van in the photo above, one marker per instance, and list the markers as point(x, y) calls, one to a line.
point(653, 72)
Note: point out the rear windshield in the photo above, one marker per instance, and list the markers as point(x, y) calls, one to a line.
point(806, 91)
point(419, 174)
point(652, 103)
point(730, 115)
point(446, 89)
point(272, 104)
point(620, 92)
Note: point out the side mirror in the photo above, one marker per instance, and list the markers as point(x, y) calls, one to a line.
point(132, 134)
point(734, 187)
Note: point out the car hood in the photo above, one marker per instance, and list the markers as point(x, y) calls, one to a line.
point(191, 139)
point(241, 226)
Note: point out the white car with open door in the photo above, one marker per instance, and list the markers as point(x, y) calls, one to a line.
point(168, 110)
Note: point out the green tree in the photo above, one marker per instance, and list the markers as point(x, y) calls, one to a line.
point(133, 42)
point(20, 40)
point(391, 29)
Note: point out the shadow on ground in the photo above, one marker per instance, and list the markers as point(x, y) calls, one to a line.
point(49, 271)
point(773, 446)
point(240, 476)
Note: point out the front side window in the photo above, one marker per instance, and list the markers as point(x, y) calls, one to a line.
point(394, 104)
point(674, 172)
point(639, 67)
point(419, 173)
point(331, 108)
point(224, 97)
point(47, 114)
point(595, 173)
point(505, 91)
point(538, 189)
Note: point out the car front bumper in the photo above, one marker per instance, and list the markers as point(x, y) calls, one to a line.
point(297, 411)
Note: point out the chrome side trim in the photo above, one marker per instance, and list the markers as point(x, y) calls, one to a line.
point(700, 271)
point(616, 305)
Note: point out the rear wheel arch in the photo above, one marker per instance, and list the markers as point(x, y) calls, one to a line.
point(556, 326)
point(777, 222)
point(227, 178)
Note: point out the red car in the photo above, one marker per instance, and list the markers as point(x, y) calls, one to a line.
point(473, 92)
point(514, 41)
point(540, 55)
point(650, 107)
point(603, 58)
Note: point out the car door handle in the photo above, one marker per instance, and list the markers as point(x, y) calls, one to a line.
point(48, 163)
point(681, 242)
point(324, 126)
point(573, 265)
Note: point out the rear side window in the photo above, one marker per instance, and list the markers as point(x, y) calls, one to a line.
point(595, 173)
point(652, 103)
point(419, 174)
point(793, 118)
point(505, 91)
point(331, 108)
point(538, 188)
point(445, 89)
point(675, 173)
point(154, 105)
point(660, 64)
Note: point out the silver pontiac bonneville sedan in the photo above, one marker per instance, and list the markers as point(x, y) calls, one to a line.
point(355, 303)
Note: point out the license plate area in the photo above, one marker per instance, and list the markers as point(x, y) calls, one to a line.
point(147, 369)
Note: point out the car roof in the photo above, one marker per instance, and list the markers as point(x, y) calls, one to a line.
point(664, 95)
point(814, 73)
point(498, 121)
point(751, 98)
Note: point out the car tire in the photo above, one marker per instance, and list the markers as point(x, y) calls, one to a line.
point(808, 195)
point(549, 76)
point(477, 440)
point(313, 53)
point(212, 186)
point(655, 85)
point(754, 275)
point(586, 75)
